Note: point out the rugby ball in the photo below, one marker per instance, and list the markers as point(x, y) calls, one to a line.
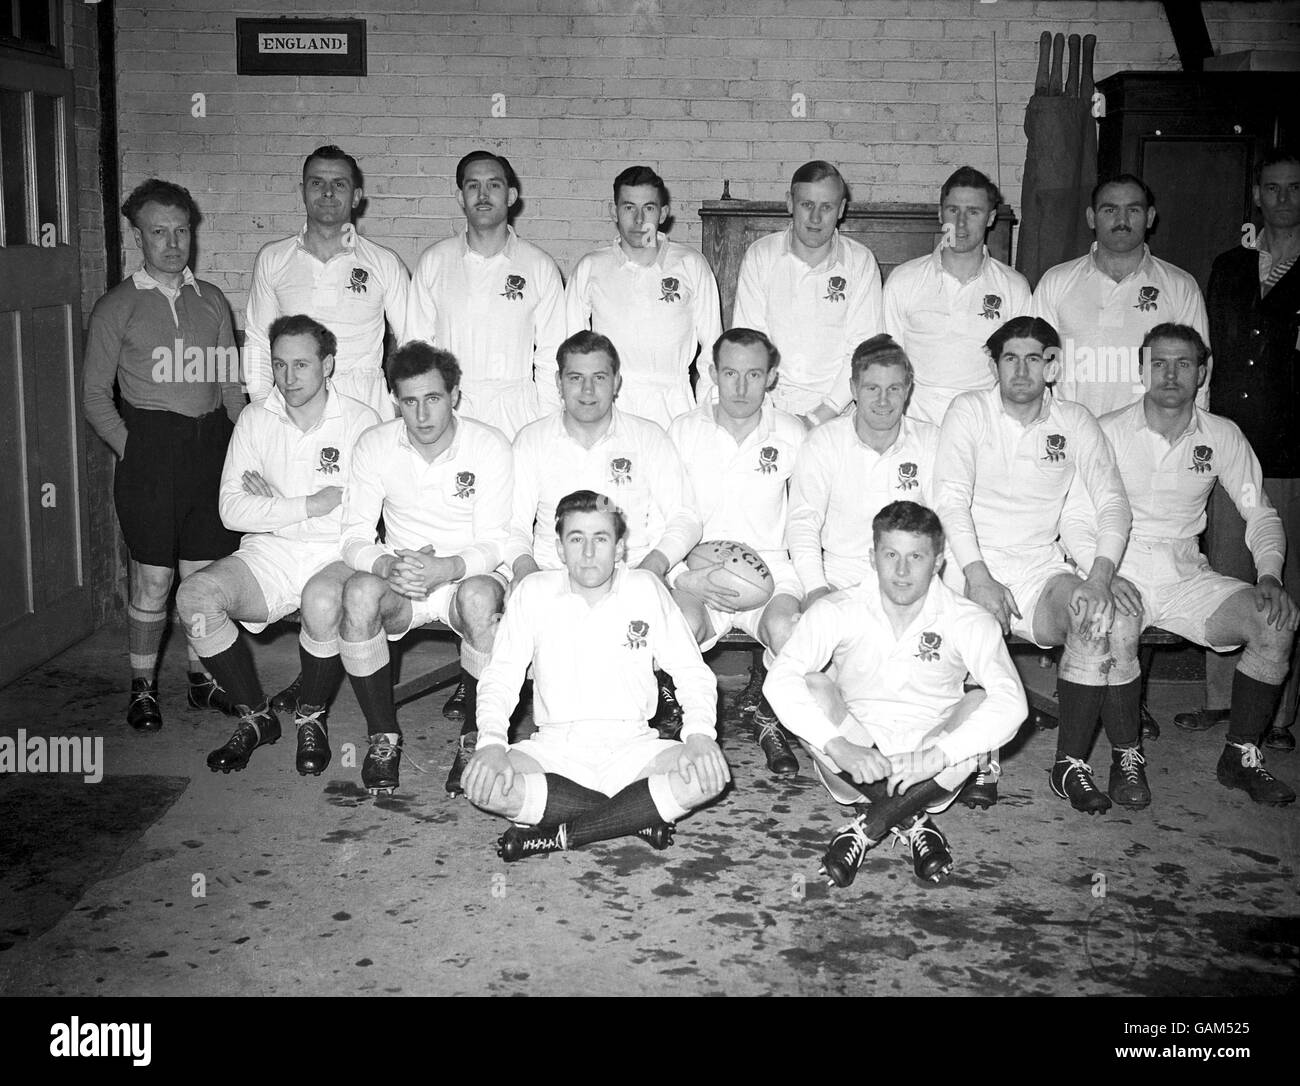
point(743, 571)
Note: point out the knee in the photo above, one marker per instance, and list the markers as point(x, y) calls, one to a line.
point(1267, 640)
point(478, 604)
point(199, 594)
point(153, 582)
point(361, 596)
point(321, 606)
point(775, 629)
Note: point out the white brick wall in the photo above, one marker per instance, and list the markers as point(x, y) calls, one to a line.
point(899, 92)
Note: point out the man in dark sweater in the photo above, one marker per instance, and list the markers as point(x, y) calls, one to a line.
point(1253, 301)
point(167, 340)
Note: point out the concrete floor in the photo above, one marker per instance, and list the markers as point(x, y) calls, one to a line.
point(310, 887)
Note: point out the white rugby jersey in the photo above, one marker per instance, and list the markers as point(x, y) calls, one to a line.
point(502, 316)
point(900, 688)
point(294, 463)
point(350, 294)
point(460, 503)
point(1169, 484)
point(840, 484)
point(657, 316)
point(633, 464)
point(1102, 324)
point(593, 661)
point(815, 316)
point(943, 324)
point(1001, 486)
point(741, 490)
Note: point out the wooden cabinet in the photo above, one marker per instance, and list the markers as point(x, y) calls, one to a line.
point(1194, 138)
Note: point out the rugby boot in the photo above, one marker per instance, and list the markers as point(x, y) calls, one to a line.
point(143, 712)
point(206, 693)
point(980, 790)
point(749, 698)
point(379, 771)
point(465, 747)
point(660, 835)
point(770, 737)
point(1202, 720)
point(668, 719)
point(1241, 765)
point(845, 853)
point(1071, 778)
point(520, 841)
point(258, 727)
point(454, 707)
point(1150, 726)
point(313, 740)
point(928, 847)
point(1128, 779)
point(1279, 739)
point(286, 701)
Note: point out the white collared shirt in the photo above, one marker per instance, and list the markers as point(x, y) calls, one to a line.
point(840, 483)
point(296, 464)
point(633, 464)
point(350, 294)
point(593, 662)
point(899, 687)
point(815, 316)
point(1102, 324)
point(460, 503)
point(943, 324)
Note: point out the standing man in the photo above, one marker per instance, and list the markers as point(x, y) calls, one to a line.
point(493, 300)
point(1106, 301)
point(656, 299)
point(815, 293)
point(739, 452)
point(167, 340)
point(1254, 304)
point(331, 273)
point(940, 308)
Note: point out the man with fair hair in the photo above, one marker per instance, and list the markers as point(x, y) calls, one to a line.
point(815, 293)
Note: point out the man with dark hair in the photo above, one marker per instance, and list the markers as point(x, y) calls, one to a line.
point(889, 728)
point(442, 484)
point(1007, 461)
point(166, 339)
point(940, 307)
point(739, 452)
point(283, 485)
point(815, 292)
point(492, 299)
point(330, 272)
point(655, 298)
point(1170, 455)
point(593, 632)
point(1103, 303)
point(1254, 305)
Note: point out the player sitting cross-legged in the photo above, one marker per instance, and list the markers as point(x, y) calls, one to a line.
point(888, 727)
point(593, 633)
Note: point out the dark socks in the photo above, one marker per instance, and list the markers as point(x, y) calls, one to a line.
point(1253, 703)
point(628, 812)
point(471, 706)
point(889, 811)
point(1121, 709)
point(566, 800)
point(233, 670)
point(320, 677)
point(375, 696)
point(1080, 708)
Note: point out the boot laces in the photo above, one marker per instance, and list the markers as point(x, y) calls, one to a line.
point(854, 840)
point(1130, 763)
point(1253, 758)
point(148, 693)
point(384, 750)
point(250, 717)
point(556, 842)
point(1082, 770)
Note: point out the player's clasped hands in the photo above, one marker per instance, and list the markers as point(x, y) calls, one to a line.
point(488, 765)
point(1282, 611)
point(415, 574)
point(703, 757)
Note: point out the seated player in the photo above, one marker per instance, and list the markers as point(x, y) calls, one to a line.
point(739, 451)
point(593, 632)
point(442, 483)
point(1170, 454)
point(283, 485)
point(589, 444)
point(1008, 458)
point(889, 728)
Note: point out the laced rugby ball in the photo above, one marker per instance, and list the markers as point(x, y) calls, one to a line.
point(742, 572)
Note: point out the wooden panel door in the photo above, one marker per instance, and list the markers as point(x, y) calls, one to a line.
point(45, 602)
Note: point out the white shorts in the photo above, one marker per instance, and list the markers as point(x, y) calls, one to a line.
point(606, 755)
point(786, 583)
point(843, 571)
point(654, 398)
point(281, 568)
point(1026, 574)
point(366, 384)
point(507, 405)
point(436, 606)
point(1179, 589)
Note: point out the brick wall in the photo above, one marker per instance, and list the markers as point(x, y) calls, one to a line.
point(898, 92)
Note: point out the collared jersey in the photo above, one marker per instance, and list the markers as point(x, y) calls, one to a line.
point(943, 324)
point(633, 463)
point(658, 317)
point(899, 687)
point(840, 484)
point(596, 661)
point(1102, 324)
point(502, 316)
point(1002, 485)
point(1169, 484)
point(460, 503)
point(815, 316)
point(741, 490)
point(350, 294)
point(294, 463)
